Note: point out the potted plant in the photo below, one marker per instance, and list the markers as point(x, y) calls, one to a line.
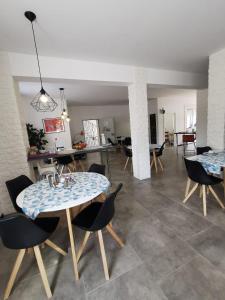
point(36, 137)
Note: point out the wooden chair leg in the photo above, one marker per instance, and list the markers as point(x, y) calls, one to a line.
point(126, 163)
point(155, 163)
point(190, 193)
point(115, 236)
point(68, 168)
point(102, 249)
point(61, 171)
point(42, 271)
point(200, 192)
point(152, 162)
point(15, 270)
point(187, 187)
point(204, 200)
point(81, 166)
point(55, 247)
point(160, 163)
point(80, 251)
point(216, 197)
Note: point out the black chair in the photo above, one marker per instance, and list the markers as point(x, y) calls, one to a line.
point(156, 153)
point(197, 174)
point(201, 150)
point(19, 232)
point(15, 187)
point(64, 162)
point(94, 218)
point(127, 141)
point(96, 168)
point(128, 154)
point(111, 142)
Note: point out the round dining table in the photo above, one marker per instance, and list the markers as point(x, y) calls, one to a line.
point(82, 187)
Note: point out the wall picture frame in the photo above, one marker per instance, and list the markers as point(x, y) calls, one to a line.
point(53, 125)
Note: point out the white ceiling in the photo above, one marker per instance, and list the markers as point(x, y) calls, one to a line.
point(86, 93)
point(175, 34)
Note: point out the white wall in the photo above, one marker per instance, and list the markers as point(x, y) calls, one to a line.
point(175, 104)
point(202, 116)
point(120, 114)
point(13, 158)
point(216, 101)
point(30, 115)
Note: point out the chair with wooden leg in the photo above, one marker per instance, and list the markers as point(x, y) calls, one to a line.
point(20, 233)
point(155, 157)
point(128, 154)
point(199, 176)
point(94, 218)
point(15, 186)
point(64, 162)
point(78, 161)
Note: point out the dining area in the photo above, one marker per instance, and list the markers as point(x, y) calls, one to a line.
point(29, 231)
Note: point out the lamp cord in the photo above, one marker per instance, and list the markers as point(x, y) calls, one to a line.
point(35, 44)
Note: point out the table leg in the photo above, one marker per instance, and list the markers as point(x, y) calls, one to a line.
point(72, 244)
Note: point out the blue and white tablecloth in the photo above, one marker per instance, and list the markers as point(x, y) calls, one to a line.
point(212, 162)
point(40, 197)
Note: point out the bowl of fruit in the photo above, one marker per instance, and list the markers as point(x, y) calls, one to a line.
point(79, 146)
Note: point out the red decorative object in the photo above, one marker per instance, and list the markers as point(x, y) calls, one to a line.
point(53, 125)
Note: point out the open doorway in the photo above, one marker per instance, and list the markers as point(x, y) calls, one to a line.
point(91, 132)
point(169, 128)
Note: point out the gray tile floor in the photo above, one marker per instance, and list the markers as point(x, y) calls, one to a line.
point(171, 251)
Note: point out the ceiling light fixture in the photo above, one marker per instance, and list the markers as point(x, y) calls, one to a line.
point(64, 114)
point(42, 102)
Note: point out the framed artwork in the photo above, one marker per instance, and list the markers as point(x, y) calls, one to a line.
point(53, 125)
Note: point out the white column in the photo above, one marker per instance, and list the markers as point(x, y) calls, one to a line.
point(138, 107)
point(13, 159)
point(202, 116)
point(216, 101)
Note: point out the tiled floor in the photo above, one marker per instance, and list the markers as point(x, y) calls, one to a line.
point(171, 251)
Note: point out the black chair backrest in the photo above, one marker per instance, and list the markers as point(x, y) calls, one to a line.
point(111, 142)
point(15, 187)
point(19, 232)
point(64, 160)
point(107, 211)
point(201, 150)
point(127, 151)
point(196, 172)
point(160, 152)
point(127, 141)
point(96, 168)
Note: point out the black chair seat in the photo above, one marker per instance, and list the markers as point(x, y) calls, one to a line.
point(19, 232)
point(85, 219)
point(47, 224)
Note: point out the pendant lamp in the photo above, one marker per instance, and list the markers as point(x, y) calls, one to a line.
point(64, 114)
point(42, 102)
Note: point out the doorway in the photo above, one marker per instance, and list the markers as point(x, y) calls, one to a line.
point(91, 132)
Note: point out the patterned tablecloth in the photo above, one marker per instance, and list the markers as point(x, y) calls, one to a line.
point(212, 162)
point(40, 197)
